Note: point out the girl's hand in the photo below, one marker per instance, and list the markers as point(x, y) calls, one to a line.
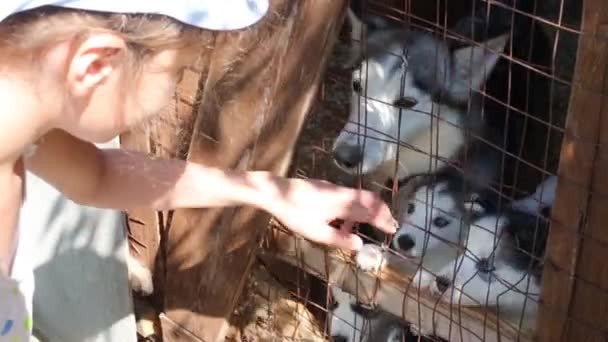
point(307, 207)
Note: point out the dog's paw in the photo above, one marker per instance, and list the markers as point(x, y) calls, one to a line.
point(140, 277)
point(422, 279)
point(418, 331)
point(370, 258)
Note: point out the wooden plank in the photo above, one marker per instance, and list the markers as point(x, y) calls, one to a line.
point(575, 280)
point(391, 291)
point(142, 245)
point(145, 227)
point(259, 87)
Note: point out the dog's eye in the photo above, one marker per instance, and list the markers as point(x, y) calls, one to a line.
point(440, 222)
point(485, 265)
point(357, 86)
point(410, 208)
point(406, 102)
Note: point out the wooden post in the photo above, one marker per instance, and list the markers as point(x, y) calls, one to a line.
point(255, 88)
point(574, 300)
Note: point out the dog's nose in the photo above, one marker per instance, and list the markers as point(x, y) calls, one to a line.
point(348, 156)
point(443, 283)
point(405, 242)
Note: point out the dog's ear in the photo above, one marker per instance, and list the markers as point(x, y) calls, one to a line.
point(541, 201)
point(472, 65)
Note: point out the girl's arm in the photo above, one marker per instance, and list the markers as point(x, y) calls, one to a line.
point(121, 179)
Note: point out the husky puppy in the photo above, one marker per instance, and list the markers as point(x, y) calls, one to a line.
point(352, 322)
point(435, 223)
point(412, 103)
point(501, 266)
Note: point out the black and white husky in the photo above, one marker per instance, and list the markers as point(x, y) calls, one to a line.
point(412, 103)
point(434, 224)
point(502, 263)
point(439, 202)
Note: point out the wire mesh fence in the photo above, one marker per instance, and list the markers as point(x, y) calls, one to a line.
point(480, 122)
point(460, 114)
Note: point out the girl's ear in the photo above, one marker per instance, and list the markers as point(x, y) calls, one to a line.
point(93, 61)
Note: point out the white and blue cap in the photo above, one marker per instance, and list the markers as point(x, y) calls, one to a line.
point(217, 15)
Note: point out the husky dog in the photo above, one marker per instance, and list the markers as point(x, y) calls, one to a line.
point(412, 103)
point(352, 322)
point(434, 225)
point(501, 266)
point(434, 222)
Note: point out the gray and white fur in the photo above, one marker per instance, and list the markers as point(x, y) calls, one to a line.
point(411, 103)
point(433, 211)
point(435, 224)
point(501, 266)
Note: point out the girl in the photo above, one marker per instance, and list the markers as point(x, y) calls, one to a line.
point(78, 72)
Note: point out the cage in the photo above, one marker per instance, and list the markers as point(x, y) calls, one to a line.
point(479, 121)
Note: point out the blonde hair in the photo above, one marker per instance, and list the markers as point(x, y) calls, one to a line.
point(25, 35)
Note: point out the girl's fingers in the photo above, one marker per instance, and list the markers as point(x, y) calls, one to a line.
point(347, 227)
point(384, 220)
point(367, 207)
point(329, 235)
point(379, 213)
